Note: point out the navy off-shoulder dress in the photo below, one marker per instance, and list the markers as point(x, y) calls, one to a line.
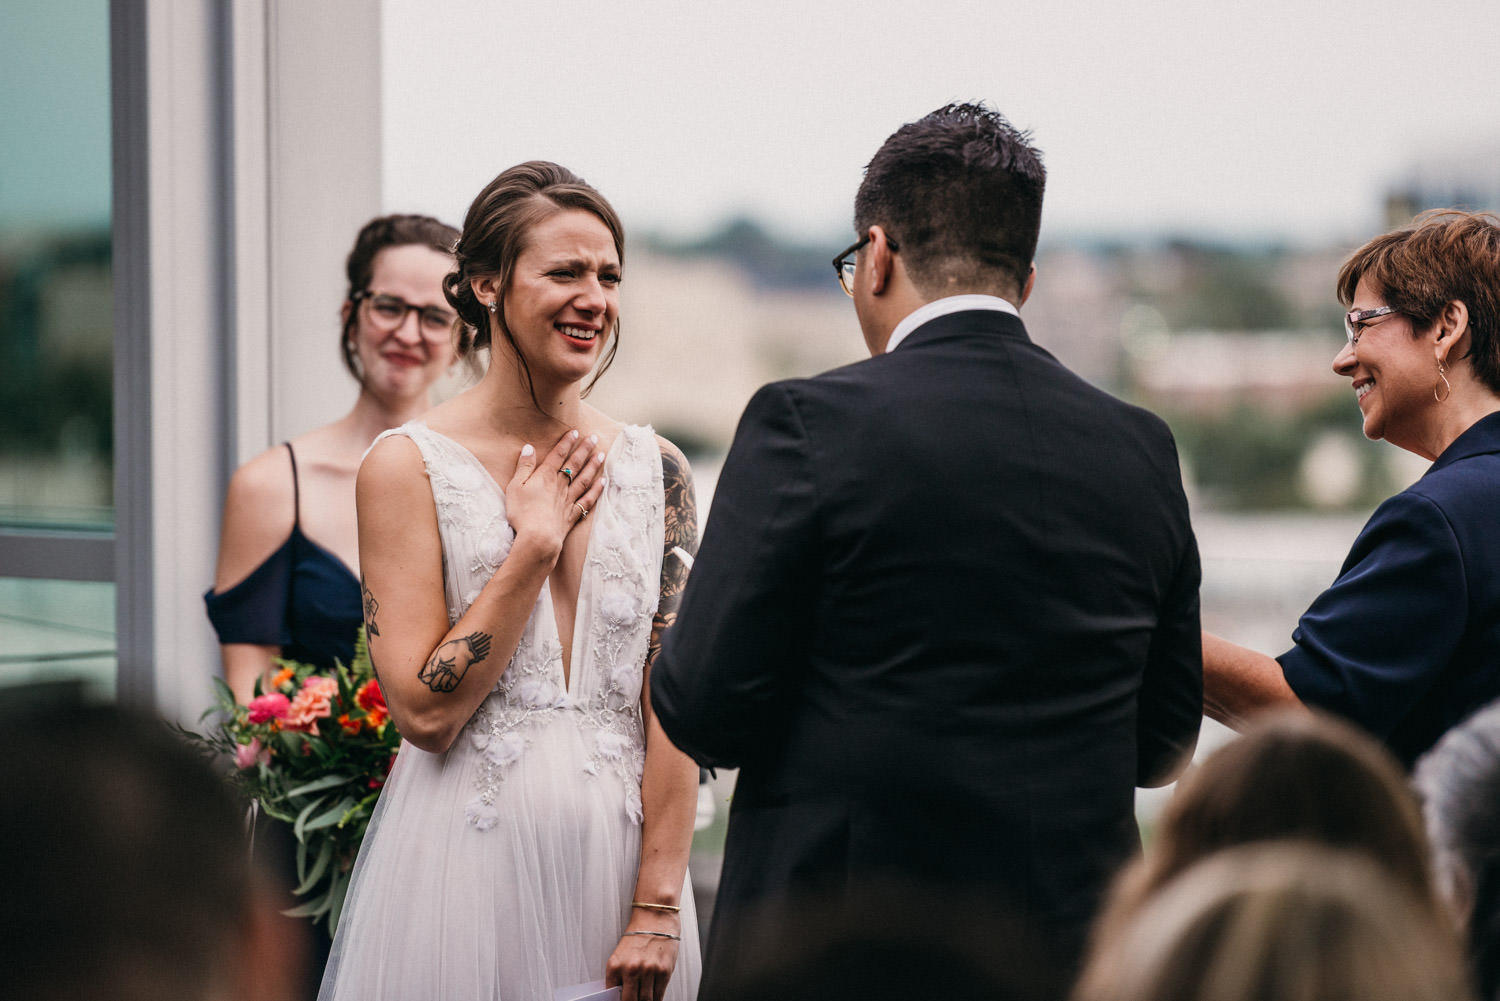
point(302, 598)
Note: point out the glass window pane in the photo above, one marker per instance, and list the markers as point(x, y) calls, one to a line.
point(58, 630)
point(55, 296)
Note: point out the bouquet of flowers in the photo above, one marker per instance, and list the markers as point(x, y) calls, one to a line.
point(314, 751)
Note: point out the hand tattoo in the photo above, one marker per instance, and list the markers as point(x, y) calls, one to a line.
point(451, 661)
point(371, 607)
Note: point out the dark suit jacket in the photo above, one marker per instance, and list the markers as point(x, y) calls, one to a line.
point(1407, 641)
point(944, 620)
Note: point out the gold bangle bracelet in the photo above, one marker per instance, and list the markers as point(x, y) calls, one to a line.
point(655, 907)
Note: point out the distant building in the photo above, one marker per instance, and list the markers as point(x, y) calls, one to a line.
point(1209, 373)
point(1468, 180)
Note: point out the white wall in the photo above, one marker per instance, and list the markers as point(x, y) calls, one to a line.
point(247, 155)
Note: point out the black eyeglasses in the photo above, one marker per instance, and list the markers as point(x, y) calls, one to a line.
point(843, 265)
point(1355, 320)
point(389, 311)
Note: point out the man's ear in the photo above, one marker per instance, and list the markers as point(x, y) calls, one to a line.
point(880, 260)
point(1027, 287)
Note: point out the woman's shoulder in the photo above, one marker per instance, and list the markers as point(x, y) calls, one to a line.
point(267, 482)
point(394, 454)
point(260, 509)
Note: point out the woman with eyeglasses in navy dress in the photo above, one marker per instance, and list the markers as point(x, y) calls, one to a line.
point(1406, 641)
point(287, 583)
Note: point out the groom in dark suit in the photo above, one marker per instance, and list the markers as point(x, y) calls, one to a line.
point(945, 615)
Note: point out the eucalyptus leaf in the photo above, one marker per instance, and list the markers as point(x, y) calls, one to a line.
point(318, 785)
point(316, 907)
point(310, 879)
point(329, 818)
point(336, 895)
point(300, 824)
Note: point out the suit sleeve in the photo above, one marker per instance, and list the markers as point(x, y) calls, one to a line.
point(1374, 643)
point(1171, 701)
point(731, 658)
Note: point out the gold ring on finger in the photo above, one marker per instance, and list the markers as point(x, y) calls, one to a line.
point(568, 472)
point(583, 512)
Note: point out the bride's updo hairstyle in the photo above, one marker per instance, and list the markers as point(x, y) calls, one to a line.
point(494, 235)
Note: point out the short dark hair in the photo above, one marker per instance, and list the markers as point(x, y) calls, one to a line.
point(960, 190)
point(1445, 255)
point(375, 236)
point(1291, 774)
point(882, 938)
point(495, 233)
point(132, 875)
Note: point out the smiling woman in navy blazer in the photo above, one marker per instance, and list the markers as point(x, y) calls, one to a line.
point(1407, 640)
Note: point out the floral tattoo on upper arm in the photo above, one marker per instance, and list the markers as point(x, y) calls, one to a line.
point(681, 523)
point(371, 607)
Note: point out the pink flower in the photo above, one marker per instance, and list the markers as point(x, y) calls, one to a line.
point(268, 707)
point(251, 754)
point(312, 703)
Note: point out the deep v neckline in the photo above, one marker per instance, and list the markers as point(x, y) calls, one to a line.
point(569, 674)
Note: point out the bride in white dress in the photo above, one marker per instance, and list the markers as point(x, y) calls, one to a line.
point(522, 554)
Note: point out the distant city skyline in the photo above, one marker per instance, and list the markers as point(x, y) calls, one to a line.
point(1275, 120)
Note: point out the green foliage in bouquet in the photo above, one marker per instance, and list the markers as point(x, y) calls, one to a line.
point(313, 749)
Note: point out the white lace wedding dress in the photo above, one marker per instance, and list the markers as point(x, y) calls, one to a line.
point(504, 868)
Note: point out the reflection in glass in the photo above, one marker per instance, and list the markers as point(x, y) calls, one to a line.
point(55, 295)
point(58, 631)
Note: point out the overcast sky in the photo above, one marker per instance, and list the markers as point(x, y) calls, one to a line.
point(1275, 118)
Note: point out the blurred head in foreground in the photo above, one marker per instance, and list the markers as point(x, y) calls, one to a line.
point(1459, 782)
point(1281, 921)
point(129, 873)
point(1290, 775)
point(893, 941)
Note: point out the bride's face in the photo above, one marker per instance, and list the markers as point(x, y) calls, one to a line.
point(563, 299)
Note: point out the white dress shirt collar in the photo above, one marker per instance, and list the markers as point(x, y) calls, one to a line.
point(942, 307)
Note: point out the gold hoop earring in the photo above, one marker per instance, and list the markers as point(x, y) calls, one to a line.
point(1442, 383)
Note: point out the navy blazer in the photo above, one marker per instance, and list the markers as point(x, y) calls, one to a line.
point(1407, 640)
point(944, 620)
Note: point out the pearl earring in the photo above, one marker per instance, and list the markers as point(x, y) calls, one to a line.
point(492, 307)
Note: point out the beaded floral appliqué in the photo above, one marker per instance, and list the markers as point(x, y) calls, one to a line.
point(618, 594)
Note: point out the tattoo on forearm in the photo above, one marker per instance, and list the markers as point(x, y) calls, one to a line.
point(371, 607)
point(681, 522)
point(451, 661)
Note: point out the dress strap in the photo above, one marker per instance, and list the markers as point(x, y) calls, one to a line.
point(296, 490)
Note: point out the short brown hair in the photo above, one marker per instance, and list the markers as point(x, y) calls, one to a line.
point(1292, 774)
point(495, 233)
point(375, 236)
point(1287, 920)
point(1445, 255)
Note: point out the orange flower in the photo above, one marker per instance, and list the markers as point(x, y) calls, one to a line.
point(372, 700)
point(370, 697)
point(351, 726)
point(282, 677)
point(313, 703)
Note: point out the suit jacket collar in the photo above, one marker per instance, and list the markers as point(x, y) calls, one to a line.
point(929, 311)
point(1481, 437)
point(981, 322)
